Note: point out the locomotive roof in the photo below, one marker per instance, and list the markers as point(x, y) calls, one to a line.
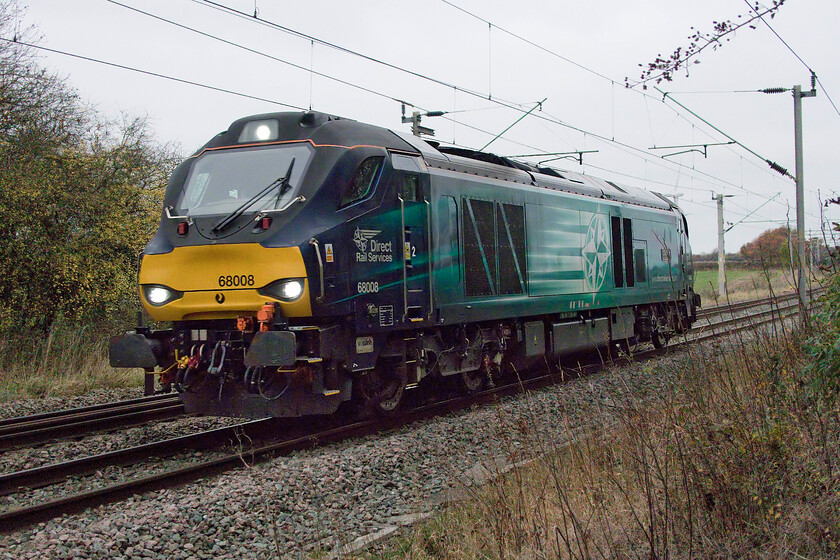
point(322, 128)
point(506, 169)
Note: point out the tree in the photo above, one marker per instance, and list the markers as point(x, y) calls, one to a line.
point(771, 248)
point(79, 197)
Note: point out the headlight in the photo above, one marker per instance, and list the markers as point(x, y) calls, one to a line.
point(291, 290)
point(158, 295)
point(288, 289)
point(259, 131)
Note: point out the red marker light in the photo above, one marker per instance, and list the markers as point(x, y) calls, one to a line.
point(183, 228)
point(265, 223)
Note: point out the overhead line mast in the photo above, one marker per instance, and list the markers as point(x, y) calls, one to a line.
point(798, 94)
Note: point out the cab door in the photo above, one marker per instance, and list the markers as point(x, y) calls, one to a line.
point(412, 190)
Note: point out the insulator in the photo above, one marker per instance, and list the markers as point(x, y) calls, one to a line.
point(776, 167)
point(773, 90)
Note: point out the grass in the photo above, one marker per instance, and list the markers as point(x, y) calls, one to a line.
point(68, 361)
point(743, 284)
point(738, 458)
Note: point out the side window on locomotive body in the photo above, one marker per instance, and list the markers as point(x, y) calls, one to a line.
point(363, 181)
point(408, 177)
point(410, 187)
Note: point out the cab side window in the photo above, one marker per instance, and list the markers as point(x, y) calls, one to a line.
point(363, 181)
point(408, 170)
point(410, 188)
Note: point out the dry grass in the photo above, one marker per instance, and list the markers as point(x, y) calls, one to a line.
point(739, 458)
point(68, 361)
point(744, 284)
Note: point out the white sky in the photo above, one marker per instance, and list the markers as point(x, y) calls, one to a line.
point(611, 37)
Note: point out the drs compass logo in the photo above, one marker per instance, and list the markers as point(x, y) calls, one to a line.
point(362, 236)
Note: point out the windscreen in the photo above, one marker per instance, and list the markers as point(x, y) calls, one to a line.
point(222, 180)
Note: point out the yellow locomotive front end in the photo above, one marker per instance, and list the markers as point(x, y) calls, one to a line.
point(228, 281)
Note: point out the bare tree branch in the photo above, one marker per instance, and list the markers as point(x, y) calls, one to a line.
point(663, 69)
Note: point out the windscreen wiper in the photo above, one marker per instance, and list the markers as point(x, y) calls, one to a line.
point(279, 182)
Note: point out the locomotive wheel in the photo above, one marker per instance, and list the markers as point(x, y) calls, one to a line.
point(471, 381)
point(657, 337)
point(384, 388)
point(678, 322)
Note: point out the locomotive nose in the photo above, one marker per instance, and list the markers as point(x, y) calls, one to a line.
point(223, 281)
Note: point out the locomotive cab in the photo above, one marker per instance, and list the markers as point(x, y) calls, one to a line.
point(273, 236)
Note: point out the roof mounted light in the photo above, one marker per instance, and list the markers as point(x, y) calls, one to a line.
point(260, 131)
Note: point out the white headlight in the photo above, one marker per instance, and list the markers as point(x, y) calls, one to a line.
point(291, 289)
point(263, 132)
point(287, 289)
point(158, 295)
point(260, 131)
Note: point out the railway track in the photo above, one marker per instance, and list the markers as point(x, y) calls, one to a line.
point(782, 308)
point(713, 310)
point(75, 422)
point(256, 433)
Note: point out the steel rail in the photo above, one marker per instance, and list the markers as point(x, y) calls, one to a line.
point(758, 314)
point(59, 472)
point(748, 304)
point(74, 424)
point(82, 410)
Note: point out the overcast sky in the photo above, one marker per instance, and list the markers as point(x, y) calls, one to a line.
point(468, 61)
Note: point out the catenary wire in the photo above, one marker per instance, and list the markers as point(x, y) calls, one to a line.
point(321, 74)
point(262, 21)
point(766, 160)
point(554, 120)
point(254, 51)
point(155, 74)
point(505, 104)
point(516, 107)
point(528, 41)
point(228, 91)
point(785, 43)
point(544, 49)
point(553, 53)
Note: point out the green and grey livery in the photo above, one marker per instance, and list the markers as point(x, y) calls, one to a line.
point(421, 262)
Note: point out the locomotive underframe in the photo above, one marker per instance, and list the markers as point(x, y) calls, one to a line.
point(295, 370)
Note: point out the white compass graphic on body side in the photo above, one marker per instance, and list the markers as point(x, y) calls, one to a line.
point(596, 253)
point(362, 236)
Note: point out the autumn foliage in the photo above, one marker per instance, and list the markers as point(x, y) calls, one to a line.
point(79, 197)
point(771, 248)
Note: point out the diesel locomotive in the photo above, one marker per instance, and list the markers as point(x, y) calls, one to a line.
point(306, 260)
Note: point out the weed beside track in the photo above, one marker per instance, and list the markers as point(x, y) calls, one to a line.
point(738, 458)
